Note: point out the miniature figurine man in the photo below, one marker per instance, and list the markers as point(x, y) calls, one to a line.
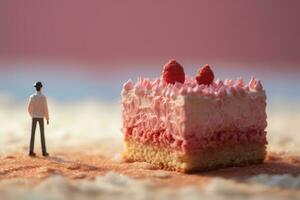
point(38, 110)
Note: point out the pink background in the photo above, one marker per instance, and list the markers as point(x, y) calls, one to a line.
point(120, 31)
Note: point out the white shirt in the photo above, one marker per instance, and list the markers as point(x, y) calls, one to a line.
point(37, 106)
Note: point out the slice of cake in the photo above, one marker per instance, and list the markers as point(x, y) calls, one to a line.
point(193, 124)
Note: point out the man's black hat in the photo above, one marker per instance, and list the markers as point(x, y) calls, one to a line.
point(38, 85)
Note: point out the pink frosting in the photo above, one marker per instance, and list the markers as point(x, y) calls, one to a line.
point(217, 140)
point(183, 116)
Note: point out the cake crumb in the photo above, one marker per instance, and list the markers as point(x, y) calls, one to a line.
point(118, 158)
point(161, 174)
point(144, 165)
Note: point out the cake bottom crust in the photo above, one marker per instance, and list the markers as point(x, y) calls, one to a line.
point(201, 160)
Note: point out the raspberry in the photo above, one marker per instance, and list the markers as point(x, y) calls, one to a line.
point(173, 72)
point(205, 75)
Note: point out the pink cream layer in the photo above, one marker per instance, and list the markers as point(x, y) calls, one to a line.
point(189, 116)
point(217, 140)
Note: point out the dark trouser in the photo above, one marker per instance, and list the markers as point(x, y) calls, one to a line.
point(33, 127)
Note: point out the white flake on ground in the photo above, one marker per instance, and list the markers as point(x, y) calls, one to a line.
point(116, 186)
point(281, 181)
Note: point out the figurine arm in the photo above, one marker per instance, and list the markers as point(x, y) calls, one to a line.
point(46, 113)
point(30, 106)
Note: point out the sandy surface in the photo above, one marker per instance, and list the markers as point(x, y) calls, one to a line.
point(85, 145)
point(77, 165)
